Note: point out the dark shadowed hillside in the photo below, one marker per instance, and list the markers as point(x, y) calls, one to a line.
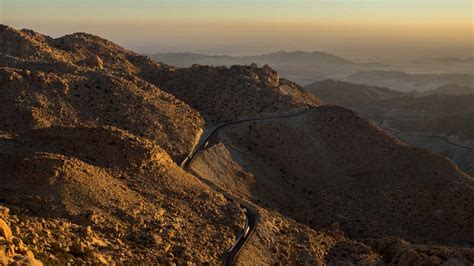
point(405, 82)
point(342, 93)
point(452, 89)
point(433, 120)
point(92, 137)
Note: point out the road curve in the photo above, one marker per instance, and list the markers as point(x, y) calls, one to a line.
point(251, 223)
point(232, 253)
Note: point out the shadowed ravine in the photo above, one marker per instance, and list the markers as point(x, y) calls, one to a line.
point(251, 217)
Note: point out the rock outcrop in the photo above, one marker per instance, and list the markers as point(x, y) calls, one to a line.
point(88, 153)
point(91, 136)
point(13, 250)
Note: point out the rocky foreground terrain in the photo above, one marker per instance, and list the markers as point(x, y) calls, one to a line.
point(92, 135)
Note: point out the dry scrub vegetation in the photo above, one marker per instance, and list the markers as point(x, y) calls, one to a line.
point(91, 136)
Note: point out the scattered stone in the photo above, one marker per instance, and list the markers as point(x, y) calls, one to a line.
point(4, 211)
point(100, 258)
point(159, 213)
point(97, 62)
point(3, 257)
point(5, 231)
point(70, 152)
point(26, 261)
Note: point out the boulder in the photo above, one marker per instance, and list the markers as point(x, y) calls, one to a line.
point(96, 62)
point(4, 211)
point(5, 231)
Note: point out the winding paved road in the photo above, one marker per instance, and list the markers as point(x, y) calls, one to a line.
point(251, 223)
point(231, 254)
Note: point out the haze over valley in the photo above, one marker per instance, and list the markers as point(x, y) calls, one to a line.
point(307, 67)
point(236, 133)
point(416, 106)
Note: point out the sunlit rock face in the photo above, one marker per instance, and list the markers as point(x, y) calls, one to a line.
point(91, 136)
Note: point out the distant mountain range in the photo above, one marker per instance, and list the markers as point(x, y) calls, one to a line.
point(440, 65)
point(307, 67)
point(300, 67)
point(92, 136)
point(452, 89)
point(468, 60)
point(405, 82)
point(187, 59)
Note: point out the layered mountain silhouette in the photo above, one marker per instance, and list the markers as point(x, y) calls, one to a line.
point(185, 59)
point(92, 135)
point(451, 89)
point(405, 82)
point(300, 67)
point(468, 60)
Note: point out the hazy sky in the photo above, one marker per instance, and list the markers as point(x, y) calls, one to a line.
point(357, 29)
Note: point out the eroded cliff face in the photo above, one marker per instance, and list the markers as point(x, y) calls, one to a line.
point(91, 136)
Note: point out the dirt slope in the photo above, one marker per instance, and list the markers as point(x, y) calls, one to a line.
point(344, 93)
point(87, 157)
point(81, 79)
point(89, 145)
point(137, 202)
point(331, 166)
point(447, 115)
point(90, 138)
point(438, 122)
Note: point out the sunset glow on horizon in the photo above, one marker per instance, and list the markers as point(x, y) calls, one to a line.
point(246, 27)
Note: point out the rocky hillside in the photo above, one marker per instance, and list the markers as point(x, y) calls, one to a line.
point(91, 136)
point(88, 152)
point(88, 195)
point(434, 120)
point(82, 79)
point(344, 93)
point(89, 146)
point(329, 166)
point(446, 115)
point(249, 91)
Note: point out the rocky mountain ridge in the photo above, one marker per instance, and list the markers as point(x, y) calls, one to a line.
point(91, 136)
